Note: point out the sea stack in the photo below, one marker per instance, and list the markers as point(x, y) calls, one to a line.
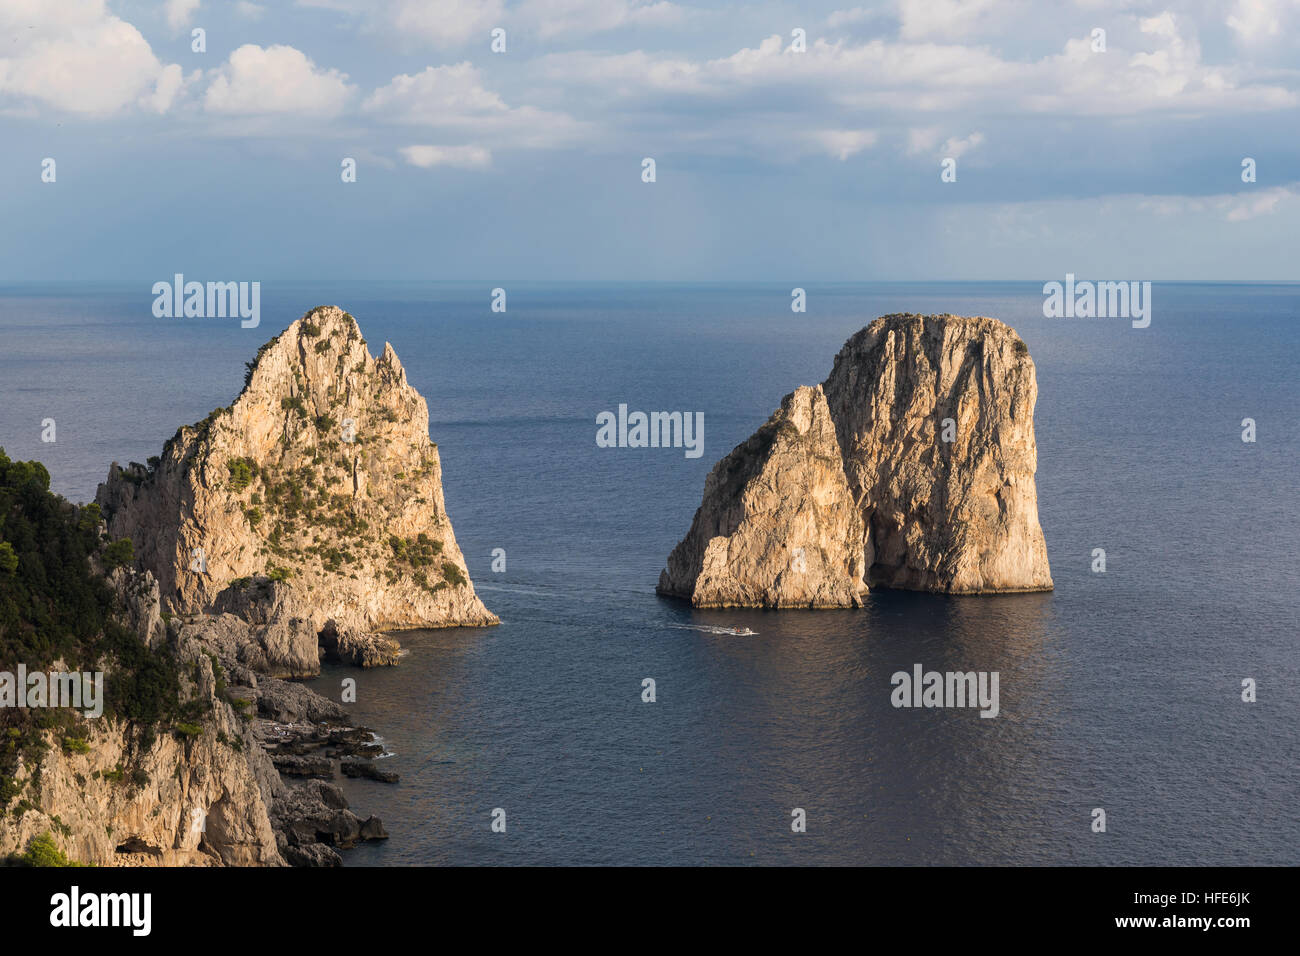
point(312, 506)
point(912, 466)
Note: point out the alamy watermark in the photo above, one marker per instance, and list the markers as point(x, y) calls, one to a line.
point(1084, 299)
point(75, 908)
point(215, 300)
point(80, 691)
point(652, 430)
point(948, 689)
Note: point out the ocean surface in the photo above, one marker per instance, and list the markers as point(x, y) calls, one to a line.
point(1119, 691)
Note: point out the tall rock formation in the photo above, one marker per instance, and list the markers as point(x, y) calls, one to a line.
point(779, 528)
point(951, 509)
point(311, 507)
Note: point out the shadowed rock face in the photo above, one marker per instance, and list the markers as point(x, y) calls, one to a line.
point(272, 487)
point(951, 510)
point(211, 794)
point(784, 531)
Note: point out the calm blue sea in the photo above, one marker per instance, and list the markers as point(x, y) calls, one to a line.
point(1119, 691)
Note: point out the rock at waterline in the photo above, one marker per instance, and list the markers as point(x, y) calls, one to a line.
point(912, 466)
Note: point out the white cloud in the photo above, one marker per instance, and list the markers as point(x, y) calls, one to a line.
point(434, 95)
point(170, 83)
point(445, 23)
point(179, 13)
point(453, 98)
point(77, 57)
point(948, 19)
point(956, 148)
point(1260, 21)
point(1263, 203)
point(1164, 72)
point(277, 79)
point(922, 139)
point(249, 11)
point(464, 157)
point(1232, 207)
point(632, 74)
point(925, 139)
point(927, 96)
point(843, 143)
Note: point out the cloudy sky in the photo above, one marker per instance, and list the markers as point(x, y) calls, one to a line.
point(774, 158)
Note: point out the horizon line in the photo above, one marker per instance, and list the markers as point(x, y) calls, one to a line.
point(773, 282)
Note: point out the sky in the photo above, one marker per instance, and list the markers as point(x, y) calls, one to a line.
point(791, 141)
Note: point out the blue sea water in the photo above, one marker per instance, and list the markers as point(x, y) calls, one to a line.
point(1119, 691)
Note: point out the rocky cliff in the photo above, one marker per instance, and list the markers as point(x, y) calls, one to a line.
point(779, 527)
point(312, 507)
point(203, 791)
point(911, 466)
point(129, 799)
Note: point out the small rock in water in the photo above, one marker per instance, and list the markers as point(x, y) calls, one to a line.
point(367, 769)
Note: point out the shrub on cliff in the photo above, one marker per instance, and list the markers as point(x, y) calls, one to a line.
point(53, 608)
point(242, 472)
point(42, 851)
point(121, 552)
point(453, 575)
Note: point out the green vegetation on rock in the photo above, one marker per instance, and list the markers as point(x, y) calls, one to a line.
point(42, 851)
point(118, 554)
point(53, 608)
point(242, 473)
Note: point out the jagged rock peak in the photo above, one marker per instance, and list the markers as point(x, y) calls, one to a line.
point(320, 475)
point(934, 443)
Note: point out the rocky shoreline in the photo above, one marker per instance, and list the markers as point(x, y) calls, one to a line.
point(249, 782)
point(296, 526)
point(311, 739)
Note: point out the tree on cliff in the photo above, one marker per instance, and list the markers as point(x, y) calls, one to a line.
point(54, 608)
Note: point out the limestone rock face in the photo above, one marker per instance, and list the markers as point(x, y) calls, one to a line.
point(778, 526)
point(199, 804)
point(322, 476)
point(191, 803)
point(950, 509)
point(130, 796)
point(137, 595)
point(957, 516)
point(207, 793)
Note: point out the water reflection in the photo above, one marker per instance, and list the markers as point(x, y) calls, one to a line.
point(543, 716)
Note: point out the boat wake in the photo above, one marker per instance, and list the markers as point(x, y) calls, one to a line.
point(711, 629)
